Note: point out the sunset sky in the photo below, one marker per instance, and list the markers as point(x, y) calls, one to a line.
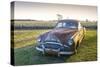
point(44, 11)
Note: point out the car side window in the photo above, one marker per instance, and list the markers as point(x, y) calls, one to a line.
point(59, 25)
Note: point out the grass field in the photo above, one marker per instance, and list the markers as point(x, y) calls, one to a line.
point(25, 52)
point(26, 37)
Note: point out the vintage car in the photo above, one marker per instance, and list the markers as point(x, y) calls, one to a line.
point(63, 39)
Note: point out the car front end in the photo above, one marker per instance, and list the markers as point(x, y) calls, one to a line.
point(53, 45)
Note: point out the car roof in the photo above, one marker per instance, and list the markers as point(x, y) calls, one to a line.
point(68, 20)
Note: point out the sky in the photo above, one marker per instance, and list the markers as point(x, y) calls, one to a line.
point(47, 11)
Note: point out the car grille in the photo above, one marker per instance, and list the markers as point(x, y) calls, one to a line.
point(52, 46)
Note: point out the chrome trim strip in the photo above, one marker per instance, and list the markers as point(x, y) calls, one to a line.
point(66, 46)
point(54, 43)
point(66, 52)
point(43, 49)
point(62, 52)
point(39, 49)
point(52, 49)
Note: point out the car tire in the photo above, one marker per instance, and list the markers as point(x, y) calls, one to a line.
point(77, 47)
point(78, 44)
point(75, 52)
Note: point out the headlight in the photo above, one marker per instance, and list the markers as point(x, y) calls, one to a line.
point(70, 41)
point(39, 39)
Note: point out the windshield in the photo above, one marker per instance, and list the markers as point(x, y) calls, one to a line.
point(66, 25)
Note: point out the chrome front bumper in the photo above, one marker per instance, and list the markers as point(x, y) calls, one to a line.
point(55, 50)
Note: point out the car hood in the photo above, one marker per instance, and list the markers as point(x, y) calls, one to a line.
point(62, 34)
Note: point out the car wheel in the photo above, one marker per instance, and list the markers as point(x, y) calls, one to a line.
point(76, 47)
point(75, 51)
